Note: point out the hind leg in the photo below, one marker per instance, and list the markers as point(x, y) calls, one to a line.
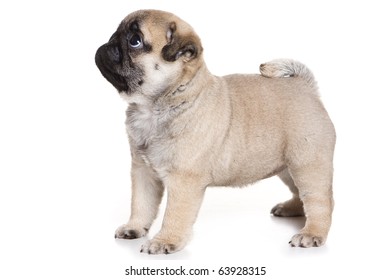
point(292, 207)
point(314, 182)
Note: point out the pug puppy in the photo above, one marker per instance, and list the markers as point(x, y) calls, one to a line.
point(189, 130)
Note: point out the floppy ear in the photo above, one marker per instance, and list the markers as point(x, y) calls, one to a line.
point(187, 46)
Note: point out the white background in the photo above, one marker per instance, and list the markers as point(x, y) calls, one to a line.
point(64, 157)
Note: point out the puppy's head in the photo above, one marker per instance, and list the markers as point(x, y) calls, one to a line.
point(151, 53)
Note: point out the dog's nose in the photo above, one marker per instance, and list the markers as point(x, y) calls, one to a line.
point(115, 53)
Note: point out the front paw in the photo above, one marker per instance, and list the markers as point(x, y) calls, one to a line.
point(160, 246)
point(129, 232)
point(307, 240)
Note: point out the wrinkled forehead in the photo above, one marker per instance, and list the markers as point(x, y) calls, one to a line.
point(153, 25)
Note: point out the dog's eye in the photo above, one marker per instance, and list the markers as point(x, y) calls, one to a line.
point(135, 41)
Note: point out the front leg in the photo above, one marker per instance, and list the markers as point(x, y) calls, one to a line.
point(147, 192)
point(185, 195)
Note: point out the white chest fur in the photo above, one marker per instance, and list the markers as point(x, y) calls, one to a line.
point(149, 127)
point(142, 123)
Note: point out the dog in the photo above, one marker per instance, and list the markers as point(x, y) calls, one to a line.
point(189, 130)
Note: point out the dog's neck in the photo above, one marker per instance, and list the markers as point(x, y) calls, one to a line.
point(190, 84)
point(146, 116)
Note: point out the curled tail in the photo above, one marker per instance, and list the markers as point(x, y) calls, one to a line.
point(279, 68)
